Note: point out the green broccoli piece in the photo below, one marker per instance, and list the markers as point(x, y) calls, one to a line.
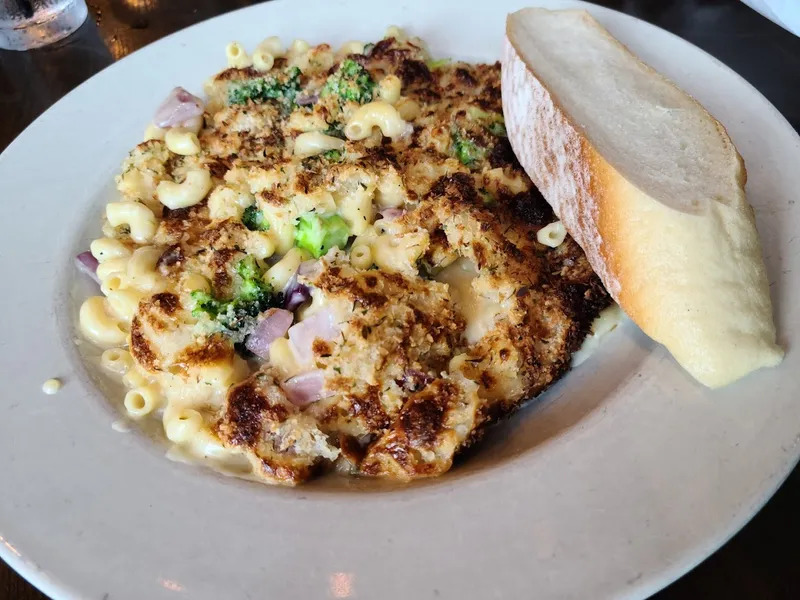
point(437, 64)
point(486, 197)
point(350, 82)
point(498, 128)
point(281, 89)
point(333, 155)
point(254, 220)
point(237, 316)
point(253, 290)
point(466, 150)
point(335, 129)
point(248, 268)
point(493, 122)
point(318, 234)
point(205, 304)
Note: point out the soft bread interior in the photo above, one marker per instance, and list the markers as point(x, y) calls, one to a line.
point(652, 133)
point(648, 183)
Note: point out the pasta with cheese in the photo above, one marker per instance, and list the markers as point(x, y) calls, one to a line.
point(332, 261)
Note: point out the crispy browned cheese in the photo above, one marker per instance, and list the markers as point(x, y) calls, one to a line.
point(412, 379)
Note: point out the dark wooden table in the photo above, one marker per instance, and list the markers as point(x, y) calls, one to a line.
point(763, 561)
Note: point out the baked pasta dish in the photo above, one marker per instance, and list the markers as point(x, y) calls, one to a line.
point(334, 262)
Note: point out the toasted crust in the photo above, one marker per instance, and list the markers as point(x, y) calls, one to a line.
point(713, 314)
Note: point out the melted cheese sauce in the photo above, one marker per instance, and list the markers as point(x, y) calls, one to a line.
point(478, 312)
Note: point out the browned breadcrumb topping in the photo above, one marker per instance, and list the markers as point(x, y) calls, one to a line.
point(404, 390)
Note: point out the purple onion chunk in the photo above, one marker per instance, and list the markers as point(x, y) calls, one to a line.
point(179, 107)
point(303, 389)
point(295, 298)
point(274, 325)
point(306, 99)
point(390, 214)
point(87, 264)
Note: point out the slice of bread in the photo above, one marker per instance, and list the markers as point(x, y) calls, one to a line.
point(648, 183)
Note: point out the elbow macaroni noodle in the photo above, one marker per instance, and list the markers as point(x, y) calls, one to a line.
point(140, 219)
point(375, 114)
point(352, 47)
point(116, 360)
point(104, 249)
point(182, 195)
point(389, 89)
point(263, 60)
point(237, 56)
point(361, 256)
point(153, 132)
point(552, 235)
point(99, 325)
point(272, 45)
point(142, 401)
point(141, 273)
point(315, 142)
point(182, 141)
point(279, 274)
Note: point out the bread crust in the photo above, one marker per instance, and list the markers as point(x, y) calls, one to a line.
point(615, 223)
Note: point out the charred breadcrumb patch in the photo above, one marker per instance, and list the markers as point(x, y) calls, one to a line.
point(531, 208)
point(245, 410)
point(423, 437)
point(140, 347)
point(234, 74)
point(209, 351)
point(171, 259)
point(283, 446)
point(167, 303)
point(397, 408)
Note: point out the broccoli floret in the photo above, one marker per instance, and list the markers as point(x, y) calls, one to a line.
point(318, 234)
point(261, 89)
point(253, 290)
point(493, 122)
point(333, 155)
point(248, 268)
point(254, 220)
point(437, 64)
point(205, 304)
point(498, 128)
point(466, 150)
point(350, 82)
point(237, 316)
point(486, 197)
point(335, 129)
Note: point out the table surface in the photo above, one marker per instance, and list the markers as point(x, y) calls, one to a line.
point(761, 561)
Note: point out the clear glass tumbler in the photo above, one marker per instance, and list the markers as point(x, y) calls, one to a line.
point(26, 24)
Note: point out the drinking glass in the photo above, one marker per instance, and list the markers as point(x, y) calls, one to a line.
point(26, 24)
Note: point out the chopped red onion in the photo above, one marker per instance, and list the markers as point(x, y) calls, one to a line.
point(306, 99)
point(87, 264)
point(320, 325)
point(309, 268)
point(295, 297)
point(390, 214)
point(273, 325)
point(180, 106)
point(305, 388)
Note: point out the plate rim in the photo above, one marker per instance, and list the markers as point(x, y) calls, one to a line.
point(649, 584)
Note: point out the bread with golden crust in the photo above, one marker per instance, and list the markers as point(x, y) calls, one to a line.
point(648, 183)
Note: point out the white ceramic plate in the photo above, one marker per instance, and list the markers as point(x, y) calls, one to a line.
point(623, 477)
